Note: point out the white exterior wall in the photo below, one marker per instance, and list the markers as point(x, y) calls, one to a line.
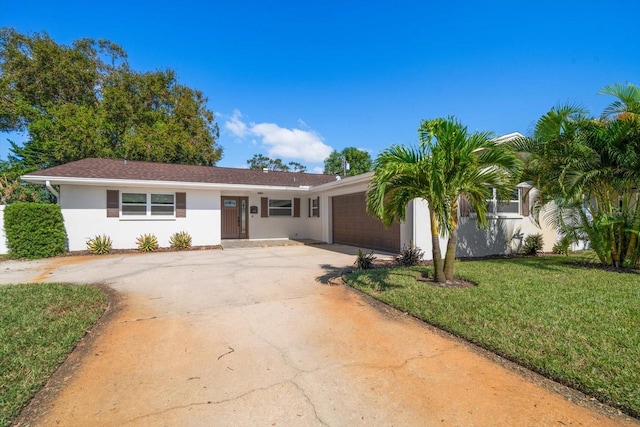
point(84, 212)
point(3, 237)
point(421, 231)
point(504, 235)
point(279, 227)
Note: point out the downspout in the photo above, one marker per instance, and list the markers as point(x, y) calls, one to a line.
point(53, 190)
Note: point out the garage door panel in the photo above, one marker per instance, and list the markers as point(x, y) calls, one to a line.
point(352, 225)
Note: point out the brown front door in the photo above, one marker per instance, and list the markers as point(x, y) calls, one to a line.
point(234, 217)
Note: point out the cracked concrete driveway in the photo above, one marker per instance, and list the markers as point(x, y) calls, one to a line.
point(257, 337)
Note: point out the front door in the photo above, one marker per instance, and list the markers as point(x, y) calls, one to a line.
point(234, 217)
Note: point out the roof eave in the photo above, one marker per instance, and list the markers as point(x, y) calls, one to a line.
point(357, 179)
point(103, 182)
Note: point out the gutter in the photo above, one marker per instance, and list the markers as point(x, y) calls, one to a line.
point(52, 190)
point(158, 184)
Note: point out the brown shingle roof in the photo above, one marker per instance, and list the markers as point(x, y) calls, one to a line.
point(147, 171)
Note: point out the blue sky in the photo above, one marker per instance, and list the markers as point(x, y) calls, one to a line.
point(297, 79)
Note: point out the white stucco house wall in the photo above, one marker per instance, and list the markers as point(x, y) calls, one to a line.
point(124, 199)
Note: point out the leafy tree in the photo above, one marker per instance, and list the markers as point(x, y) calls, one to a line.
point(260, 161)
point(449, 163)
point(359, 162)
point(590, 169)
point(297, 167)
point(12, 190)
point(83, 101)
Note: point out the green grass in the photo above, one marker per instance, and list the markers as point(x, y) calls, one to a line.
point(577, 325)
point(39, 326)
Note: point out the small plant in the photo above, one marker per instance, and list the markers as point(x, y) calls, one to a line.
point(99, 245)
point(562, 247)
point(180, 240)
point(410, 256)
point(533, 244)
point(147, 243)
point(364, 260)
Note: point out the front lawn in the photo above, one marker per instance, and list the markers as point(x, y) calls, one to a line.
point(572, 323)
point(40, 325)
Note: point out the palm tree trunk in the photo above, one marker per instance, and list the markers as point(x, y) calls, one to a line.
point(615, 256)
point(450, 255)
point(438, 269)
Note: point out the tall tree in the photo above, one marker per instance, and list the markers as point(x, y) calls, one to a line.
point(260, 161)
point(358, 162)
point(449, 163)
point(83, 101)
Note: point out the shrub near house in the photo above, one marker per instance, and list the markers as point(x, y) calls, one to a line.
point(34, 230)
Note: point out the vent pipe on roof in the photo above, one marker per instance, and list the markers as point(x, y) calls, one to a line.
point(265, 170)
point(53, 190)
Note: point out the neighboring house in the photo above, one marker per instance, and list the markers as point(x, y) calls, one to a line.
point(124, 199)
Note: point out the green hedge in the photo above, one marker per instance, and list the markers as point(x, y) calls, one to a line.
point(34, 230)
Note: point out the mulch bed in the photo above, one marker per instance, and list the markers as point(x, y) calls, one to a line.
point(136, 251)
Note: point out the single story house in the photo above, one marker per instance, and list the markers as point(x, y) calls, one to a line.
point(124, 199)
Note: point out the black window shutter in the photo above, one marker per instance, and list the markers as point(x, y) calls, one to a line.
point(264, 207)
point(463, 203)
point(113, 203)
point(296, 207)
point(524, 201)
point(181, 205)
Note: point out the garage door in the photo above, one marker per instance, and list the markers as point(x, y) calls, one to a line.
point(352, 225)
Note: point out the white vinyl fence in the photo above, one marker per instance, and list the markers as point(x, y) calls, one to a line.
point(3, 240)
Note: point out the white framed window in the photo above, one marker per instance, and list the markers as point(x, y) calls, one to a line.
point(314, 207)
point(504, 207)
point(134, 204)
point(511, 206)
point(280, 207)
point(163, 204)
point(143, 205)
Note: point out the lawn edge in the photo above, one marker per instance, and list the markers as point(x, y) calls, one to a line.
point(64, 373)
point(571, 394)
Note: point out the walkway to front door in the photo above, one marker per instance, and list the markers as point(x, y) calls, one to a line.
point(234, 217)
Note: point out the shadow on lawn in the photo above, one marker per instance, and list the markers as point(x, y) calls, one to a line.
point(377, 278)
point(381, 278)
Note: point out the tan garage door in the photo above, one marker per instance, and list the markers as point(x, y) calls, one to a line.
point(352, 225)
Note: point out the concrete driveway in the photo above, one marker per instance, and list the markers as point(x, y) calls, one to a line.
point(257, 337)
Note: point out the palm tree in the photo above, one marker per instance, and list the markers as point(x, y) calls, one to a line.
point(448, 163)
point(590, 168)
point(627, 104)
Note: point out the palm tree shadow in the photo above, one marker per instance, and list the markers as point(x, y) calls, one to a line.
point(332, 272)
point(380, 278)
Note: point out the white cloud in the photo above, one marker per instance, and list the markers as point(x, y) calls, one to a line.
point(318, 169)
point(236, 126)
point(282, 142)
point(291, 143)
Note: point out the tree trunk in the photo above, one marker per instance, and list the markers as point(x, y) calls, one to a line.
point(450, 255)
point(438, 270)
point(452, 243)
